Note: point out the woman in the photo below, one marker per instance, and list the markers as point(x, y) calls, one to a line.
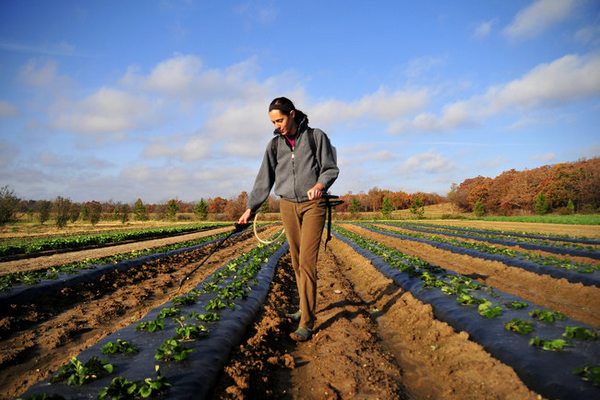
point(301, 163)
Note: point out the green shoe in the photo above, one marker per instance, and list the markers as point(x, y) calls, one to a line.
point(295, 316)
point(301, 334)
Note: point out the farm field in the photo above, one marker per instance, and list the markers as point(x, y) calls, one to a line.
point(373, 338)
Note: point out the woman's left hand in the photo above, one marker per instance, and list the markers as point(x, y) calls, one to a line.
point(315, 192)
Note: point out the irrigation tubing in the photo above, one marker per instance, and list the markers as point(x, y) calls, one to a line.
point(592, 279)
point(192, 378)
point(548, 373)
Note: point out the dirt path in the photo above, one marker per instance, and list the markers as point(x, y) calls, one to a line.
point(32, 264)
point(590, 231)
point(574, 299)
point(372, 340)
point(36, 339)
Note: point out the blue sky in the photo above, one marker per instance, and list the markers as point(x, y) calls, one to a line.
point(115, 100)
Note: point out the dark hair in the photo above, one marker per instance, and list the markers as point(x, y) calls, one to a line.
point(286, 106)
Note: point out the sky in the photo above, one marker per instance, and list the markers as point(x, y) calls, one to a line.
point(162, 99)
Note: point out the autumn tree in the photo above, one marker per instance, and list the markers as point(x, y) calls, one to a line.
point(95, 210)
point(9, 204)
point(387, 208)
point(43, 208)
point(171, 209)
point(201, 210)
point(139, 210)
point(62, 206)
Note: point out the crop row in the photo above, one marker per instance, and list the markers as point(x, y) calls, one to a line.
point(579, 242)
point(567, 248)
point(573, 271)
point(554, 355)
point(24, 285)
point(38, 245)
point(178, 349)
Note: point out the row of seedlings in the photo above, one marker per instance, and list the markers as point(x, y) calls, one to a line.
point(571, 270)
point(553, 355)
point(177, 350)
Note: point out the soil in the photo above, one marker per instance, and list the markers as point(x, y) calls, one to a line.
point(371, 340)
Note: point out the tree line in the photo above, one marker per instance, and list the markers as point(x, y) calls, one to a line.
point(63, 210)
point(563, 188)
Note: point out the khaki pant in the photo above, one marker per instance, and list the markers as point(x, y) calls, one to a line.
point(303, 223)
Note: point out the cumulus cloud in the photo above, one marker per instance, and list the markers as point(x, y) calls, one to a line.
point(567, 79)
point(106, 111)
point(185, 78)
point(538, 17)
point(545, 158)
point(380, 106)
point(189, 148)
point(36, 73)
point(7, 109)
point(431, 162)
point(484, 29)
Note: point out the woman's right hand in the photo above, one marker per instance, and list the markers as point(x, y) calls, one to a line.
point(245, 217)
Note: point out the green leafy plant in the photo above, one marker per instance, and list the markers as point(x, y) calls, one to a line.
point(171, 350)
point(517, 305)
point(208, 317)
point(546, 316)
point(578, 332)
point(151, 326)
point(191, 332)
point(519, 326)
point(168, 312)
point(78, 373)
point(590, 373)
point(122, 388)
point(120, 347)
point(551, 345)
point(488, 310)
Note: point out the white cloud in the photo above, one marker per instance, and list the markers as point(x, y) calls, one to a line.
point(192, 148)
point(484, 29)
point(38, 74)
point(185, 78)
point(430, 162)
point(589, 35)
point(567, 79)
point(7, 109)
point(545, 158)
point(538, 17)
point(380, 105)
point(106, 111)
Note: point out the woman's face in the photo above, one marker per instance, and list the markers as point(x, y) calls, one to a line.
point(284, 123)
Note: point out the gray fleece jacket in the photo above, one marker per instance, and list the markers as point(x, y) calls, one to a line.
point(294, 172)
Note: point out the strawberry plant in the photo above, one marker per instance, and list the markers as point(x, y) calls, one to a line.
point(546, 316)
point(208, 317)
point(488, 310)
point(168, 312)
point(590, 373)
point(171, 350)
point(578, 332)
point(519, 326)
point(78, 373)
point(191, 332)
point(151, 326)
point(122, 388)
point(516, 305)
point(120, 347)
point(551, 345)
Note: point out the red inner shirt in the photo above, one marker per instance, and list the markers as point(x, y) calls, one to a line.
point(291, 141)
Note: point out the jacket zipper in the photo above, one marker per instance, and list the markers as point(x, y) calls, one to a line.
point(294, 175)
